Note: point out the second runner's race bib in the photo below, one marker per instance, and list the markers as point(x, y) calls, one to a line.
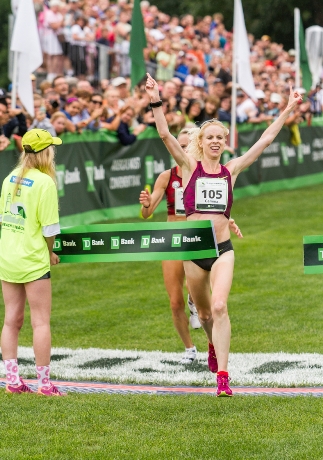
point(179, 204)
point(211, 194)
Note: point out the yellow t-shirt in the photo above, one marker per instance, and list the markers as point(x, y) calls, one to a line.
point(24, 255)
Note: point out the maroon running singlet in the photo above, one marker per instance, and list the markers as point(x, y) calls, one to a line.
point(213, 199)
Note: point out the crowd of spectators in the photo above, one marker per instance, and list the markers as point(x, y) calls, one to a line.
point(189, 57)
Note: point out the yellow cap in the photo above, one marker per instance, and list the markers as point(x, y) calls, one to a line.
point(39, 139)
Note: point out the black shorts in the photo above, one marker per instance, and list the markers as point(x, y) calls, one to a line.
point(44, 277)
point(206, 264)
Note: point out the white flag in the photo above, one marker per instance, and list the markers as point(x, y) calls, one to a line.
point(25, 41)
point(242, 52)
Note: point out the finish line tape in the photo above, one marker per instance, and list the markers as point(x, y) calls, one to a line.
point(137, 242)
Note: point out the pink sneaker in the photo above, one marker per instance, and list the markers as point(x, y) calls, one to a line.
point(211, 360)
point(18, 389)
point(223, 386)
point(51, 391)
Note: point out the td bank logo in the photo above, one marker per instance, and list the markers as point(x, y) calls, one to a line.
point(60, 176)
point(320, 254)
point(177, 240)
point(145, 241)
point(115, 242)
point(89, 168)
point(86, 242)
point(57, 245)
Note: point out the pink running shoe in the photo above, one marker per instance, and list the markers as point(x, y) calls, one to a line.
point(223, 386)
point(211, 360)
point(18, 389)
point(51, 391)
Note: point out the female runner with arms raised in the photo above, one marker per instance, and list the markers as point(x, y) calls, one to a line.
point(202, 160)
point(169, 182)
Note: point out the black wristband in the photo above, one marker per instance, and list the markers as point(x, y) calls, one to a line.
point(146, 206)
point(153, 105)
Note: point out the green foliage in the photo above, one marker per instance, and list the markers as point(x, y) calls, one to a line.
point(5, 10)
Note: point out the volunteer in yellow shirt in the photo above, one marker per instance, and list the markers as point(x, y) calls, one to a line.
point(29, 223)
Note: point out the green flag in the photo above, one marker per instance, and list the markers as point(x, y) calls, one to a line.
point(137, 45)
point(306, 73)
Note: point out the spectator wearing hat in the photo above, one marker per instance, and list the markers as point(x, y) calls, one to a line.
point(27, 255)
point(121, 84)
point(260, 115)
point(273, 105)
point(246, 108)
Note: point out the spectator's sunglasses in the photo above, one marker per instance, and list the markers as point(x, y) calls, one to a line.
point(96, 102)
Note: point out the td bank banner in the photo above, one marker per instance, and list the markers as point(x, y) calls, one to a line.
point(98, 179)
point(137, 242)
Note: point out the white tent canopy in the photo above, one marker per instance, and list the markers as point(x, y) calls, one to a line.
point(314, 48)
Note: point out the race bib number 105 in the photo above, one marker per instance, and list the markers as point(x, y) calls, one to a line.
point(211, 194)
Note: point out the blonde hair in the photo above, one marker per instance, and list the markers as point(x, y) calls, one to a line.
point(196, 134)
point(184, 131)
point(43, 161)
point(57, 115)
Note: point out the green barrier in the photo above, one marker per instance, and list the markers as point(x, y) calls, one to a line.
point(137, 242)
point(313, 255)
point(98, 179)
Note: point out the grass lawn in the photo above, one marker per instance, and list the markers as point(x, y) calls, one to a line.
point(273, 306)
point(160, 427)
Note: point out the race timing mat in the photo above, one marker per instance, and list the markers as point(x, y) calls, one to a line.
point(313, 254)
point(137, 242)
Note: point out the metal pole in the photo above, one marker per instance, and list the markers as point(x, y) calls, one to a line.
point(297, 47)
point(103, 62)
point(14, 80)
point(233, 95)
